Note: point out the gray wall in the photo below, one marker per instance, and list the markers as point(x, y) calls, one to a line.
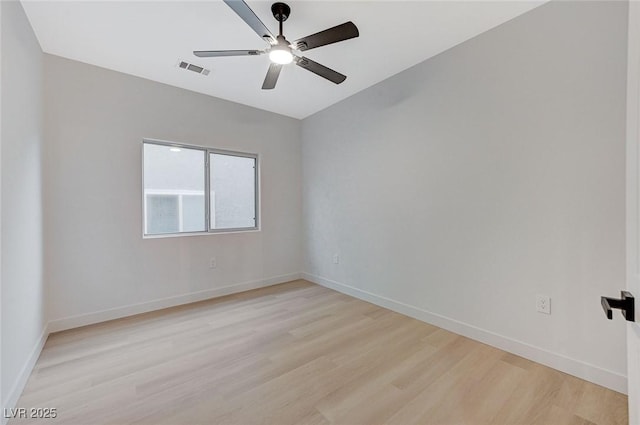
point(477, 179)
point(96, 259)
point(23, 314)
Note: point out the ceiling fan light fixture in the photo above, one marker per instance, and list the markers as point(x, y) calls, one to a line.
point(281, 51)
point(281, 55)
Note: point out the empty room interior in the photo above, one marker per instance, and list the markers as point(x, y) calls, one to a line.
point(378, 212)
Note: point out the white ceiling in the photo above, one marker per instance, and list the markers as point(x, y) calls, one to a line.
point(147, 38)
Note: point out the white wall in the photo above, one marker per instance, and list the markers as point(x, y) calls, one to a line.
point(96, 259)
point(2, 405)
point(459, 189)
point(22, 298)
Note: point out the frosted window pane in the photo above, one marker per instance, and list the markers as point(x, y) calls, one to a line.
point(176, 174)
point(193, 213)
point(162, 214)
point(233, 191)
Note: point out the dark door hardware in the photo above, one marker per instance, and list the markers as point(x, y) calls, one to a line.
point(625, 304)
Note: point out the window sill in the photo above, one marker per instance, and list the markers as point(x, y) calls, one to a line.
point(219, 232)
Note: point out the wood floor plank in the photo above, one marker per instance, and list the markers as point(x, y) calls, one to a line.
point(294, 354)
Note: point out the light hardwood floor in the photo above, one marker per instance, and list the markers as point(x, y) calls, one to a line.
point(298, 353)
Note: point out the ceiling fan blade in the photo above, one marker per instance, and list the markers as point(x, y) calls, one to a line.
point(332, 35)
point(221, 53)
point(244, 11)
point(320, 70)
point(272, 76)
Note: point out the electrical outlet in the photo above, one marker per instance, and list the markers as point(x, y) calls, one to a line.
point(336, 259)
point(543, 304)
point(213, 263)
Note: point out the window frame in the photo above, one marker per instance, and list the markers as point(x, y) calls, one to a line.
point(206, 151)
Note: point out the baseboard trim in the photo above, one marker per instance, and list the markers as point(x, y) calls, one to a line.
point(586, 371)
point(18, 386)
point(158, 304)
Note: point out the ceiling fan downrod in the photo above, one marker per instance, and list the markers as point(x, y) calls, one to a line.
point(281, 12)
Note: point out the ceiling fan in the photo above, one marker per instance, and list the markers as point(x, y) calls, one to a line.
point(280, 50)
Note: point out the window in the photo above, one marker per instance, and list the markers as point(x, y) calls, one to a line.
point(232, 186)
point(194, 190)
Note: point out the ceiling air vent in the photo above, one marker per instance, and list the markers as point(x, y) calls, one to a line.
point(195, 68)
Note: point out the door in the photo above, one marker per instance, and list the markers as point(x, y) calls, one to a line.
point(633, 210)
